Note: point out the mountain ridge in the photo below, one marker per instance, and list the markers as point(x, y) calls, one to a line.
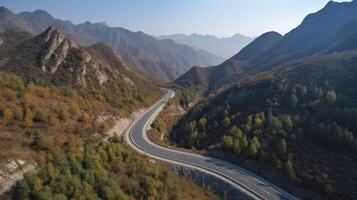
point(224, 47)
point(159, 59)
point(328, 30)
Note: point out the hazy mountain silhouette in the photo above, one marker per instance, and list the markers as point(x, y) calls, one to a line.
point(331, 29)
point(224, 47)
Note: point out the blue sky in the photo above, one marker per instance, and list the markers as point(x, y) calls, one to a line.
point(159, 17)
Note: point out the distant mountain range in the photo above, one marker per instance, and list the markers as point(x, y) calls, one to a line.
point(224, 47)
point(332, 29)
point(160, 59)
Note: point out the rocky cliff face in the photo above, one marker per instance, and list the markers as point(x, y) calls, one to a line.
point(64, 59)
point(12, 171)
point(56, 49)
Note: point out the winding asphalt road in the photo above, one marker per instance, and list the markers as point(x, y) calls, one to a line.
point(247, 182)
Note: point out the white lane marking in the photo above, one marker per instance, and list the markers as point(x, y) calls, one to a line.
point(154, 114)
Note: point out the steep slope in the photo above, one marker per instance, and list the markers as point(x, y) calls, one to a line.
point(345, 39)
point(52, 58)
point(40, 20)
point(52, 54)
point(314, 35)
point(58, 100)
point(330, 29)
point(232, 69)
point(157, 58)
point(9, 21)
point(259, 46)
point(224, 47)
point(163, 60)
point(297, 120)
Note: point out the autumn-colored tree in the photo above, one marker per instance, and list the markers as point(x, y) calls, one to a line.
point(39, 114)
point(28, 100)
point(7, 114)
point(19, 114)
point(85, 117)
point(75, 109)
point(53, 120)
point(28, 120)
point(37, 184)
point(63, 114)
point(41, 142)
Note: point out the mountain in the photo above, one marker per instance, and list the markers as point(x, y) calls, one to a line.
point(52, 54)
point(158, 58)
point(317, 29)
point(328, 30)
point(58, 104)
point(210, 78)
point(10, 21)
point(52, 58)
point(224, 47)
point(163, 60)
point(259, 46)
point(284, 106)
point(296, 122)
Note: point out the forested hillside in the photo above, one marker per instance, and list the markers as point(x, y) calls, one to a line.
point(298, 119)
point(57, 102)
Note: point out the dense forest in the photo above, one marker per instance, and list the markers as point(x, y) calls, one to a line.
point(298, 119)
point(108, 170)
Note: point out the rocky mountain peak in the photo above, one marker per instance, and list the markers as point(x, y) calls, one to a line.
point(60, 55)
point(55, 48)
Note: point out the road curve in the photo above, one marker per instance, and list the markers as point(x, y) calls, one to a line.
point(247, 182)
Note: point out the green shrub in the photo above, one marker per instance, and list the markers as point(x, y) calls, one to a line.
point(11, 81)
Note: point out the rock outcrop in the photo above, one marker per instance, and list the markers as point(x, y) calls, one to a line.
point(59, 54)
point(12, 171)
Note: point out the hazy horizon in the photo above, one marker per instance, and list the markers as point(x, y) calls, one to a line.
point(162, 17)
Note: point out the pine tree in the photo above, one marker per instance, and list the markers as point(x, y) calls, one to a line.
point(289, 168)
point(252, 150)
point(282, 146)
point(236, 146)
point(244, 143)
point(227, 142)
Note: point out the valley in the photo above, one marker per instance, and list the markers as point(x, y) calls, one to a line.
point(94, 111)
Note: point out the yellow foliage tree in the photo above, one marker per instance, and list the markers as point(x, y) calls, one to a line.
point(37, 185)
point(53, 119)
point(75, 107)
point(19, 115)
point(8, 114)
point(28, 100)
point(28, 121)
